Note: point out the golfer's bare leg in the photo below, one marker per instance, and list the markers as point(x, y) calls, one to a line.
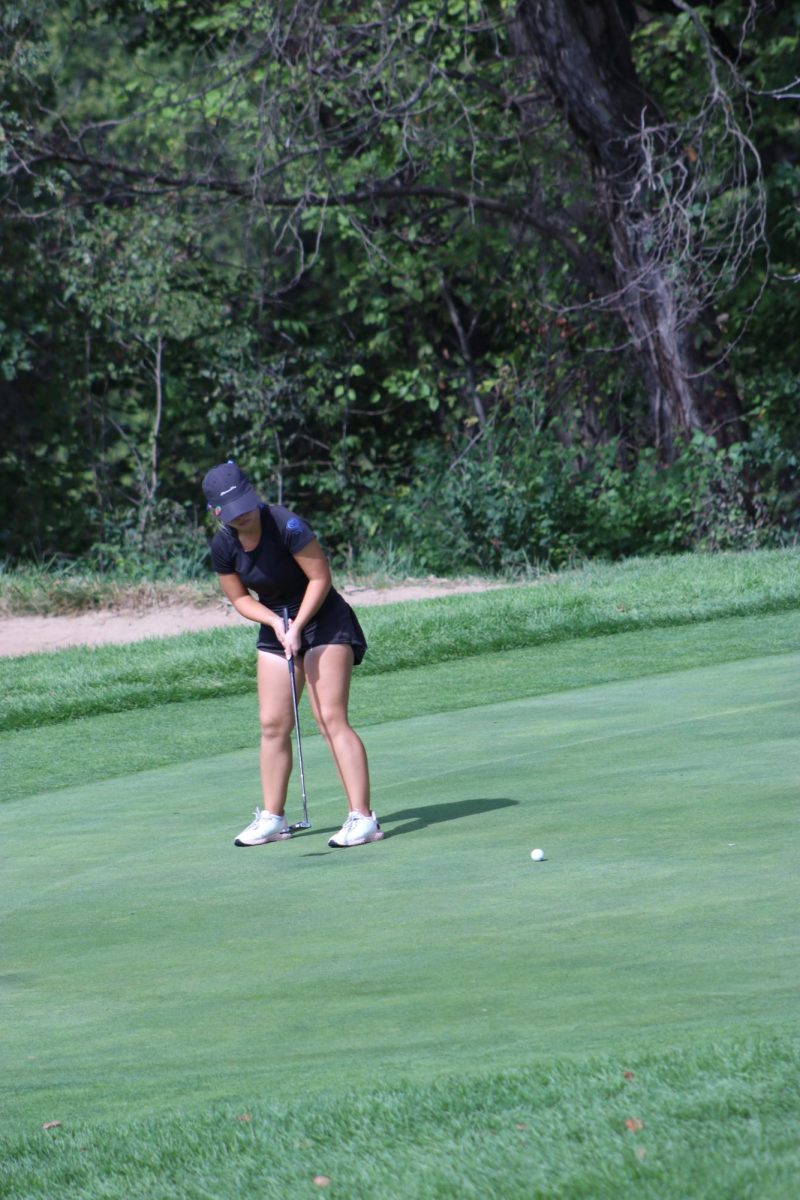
point(328, 670)
point(277, 722)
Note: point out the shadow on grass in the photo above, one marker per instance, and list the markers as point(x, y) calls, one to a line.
point(429, 814)
point(434, 814)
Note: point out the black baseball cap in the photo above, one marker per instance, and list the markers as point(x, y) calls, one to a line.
point(229, 492)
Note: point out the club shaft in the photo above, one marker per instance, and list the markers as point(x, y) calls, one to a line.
point(297, 723)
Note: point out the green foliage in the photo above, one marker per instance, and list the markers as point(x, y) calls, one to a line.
point(137, 273)
point(348, 351)
point(524, 499)
point(171, 547)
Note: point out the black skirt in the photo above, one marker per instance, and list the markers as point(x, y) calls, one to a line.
point(335, 624)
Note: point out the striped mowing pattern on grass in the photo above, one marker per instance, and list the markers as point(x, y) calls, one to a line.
point(160, 735)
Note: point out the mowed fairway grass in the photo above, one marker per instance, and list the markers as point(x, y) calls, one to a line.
point(434, 1015)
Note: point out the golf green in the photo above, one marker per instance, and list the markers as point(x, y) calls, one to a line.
point(150, 964)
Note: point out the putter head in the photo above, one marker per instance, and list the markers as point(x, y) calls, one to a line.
point(299, 825)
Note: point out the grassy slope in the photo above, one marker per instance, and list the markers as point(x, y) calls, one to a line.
point(39, 759)
point(598, 600)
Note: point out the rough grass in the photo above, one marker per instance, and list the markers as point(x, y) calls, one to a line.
point(707, 1123)
point(54, 589)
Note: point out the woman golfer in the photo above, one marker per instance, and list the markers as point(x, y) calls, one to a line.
point(267, 549)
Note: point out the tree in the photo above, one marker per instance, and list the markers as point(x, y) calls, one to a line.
point(654, 198)
point(135, 277)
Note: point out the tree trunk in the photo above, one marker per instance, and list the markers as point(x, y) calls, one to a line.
point(150, 474)
point(582, 53)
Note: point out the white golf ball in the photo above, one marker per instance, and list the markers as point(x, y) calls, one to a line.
point(537, 855)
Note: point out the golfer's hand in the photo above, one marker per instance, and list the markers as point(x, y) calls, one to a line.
point(290, 639)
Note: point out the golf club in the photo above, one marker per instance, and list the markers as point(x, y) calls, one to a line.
point(305, 823)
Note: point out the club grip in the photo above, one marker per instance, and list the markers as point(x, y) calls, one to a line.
point(290, 659)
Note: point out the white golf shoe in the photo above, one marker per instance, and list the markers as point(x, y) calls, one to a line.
point(357, 830)
point(265, 828)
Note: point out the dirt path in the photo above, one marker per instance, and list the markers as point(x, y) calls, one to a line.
point(30, 635)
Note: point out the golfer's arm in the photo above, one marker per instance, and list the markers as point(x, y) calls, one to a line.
point(312, 562)
point(245, 604)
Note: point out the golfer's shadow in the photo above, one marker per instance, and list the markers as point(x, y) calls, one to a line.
point(416, 819)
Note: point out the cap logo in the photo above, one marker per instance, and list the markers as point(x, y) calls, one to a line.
point(230, 489)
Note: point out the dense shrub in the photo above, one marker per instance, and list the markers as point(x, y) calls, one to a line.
point(531, 501)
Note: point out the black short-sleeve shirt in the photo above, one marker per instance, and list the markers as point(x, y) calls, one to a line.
point(269, 570)
point(272, 573)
